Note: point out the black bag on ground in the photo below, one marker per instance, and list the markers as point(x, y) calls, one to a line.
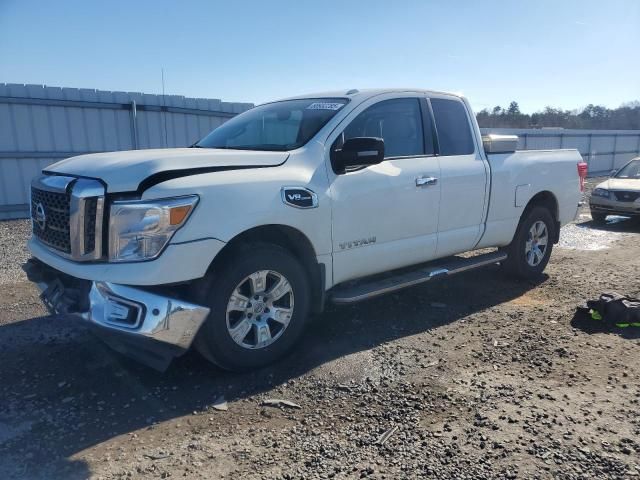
point(613, 308)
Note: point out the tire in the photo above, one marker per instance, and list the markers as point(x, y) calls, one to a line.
point(598, 218)
point(521, 262)
point(243, 277)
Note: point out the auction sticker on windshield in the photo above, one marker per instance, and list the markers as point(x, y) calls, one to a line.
point(325, 106)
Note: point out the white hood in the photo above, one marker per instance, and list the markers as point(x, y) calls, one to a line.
point(629, 184)
point(125, 171)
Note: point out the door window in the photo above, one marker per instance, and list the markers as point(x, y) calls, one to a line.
point(398, 122)
point(452, 124)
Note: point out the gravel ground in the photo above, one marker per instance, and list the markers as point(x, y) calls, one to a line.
point(13, 250)
point(476, 377)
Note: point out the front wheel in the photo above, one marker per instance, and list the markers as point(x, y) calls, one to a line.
point(598, 218)
point(530, 249)
point(259, 303)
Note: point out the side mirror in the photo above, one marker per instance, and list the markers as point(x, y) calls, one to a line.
point(358, 152)
point(613, 172)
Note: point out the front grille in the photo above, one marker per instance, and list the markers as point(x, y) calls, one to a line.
point(67, 215)
point(90, 208)
point(627, 196)
point(50, 214)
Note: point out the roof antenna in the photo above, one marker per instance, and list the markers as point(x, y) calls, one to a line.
point(352, 91)
point(164, 109)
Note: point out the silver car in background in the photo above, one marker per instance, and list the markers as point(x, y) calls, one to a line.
point(619, 195)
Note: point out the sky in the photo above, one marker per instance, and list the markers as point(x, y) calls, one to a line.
point(562, 53)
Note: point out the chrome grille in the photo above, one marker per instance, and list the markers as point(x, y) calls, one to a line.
point(67, 215)
point(50, 214)
point(90, 208)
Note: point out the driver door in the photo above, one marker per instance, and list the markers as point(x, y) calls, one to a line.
point(385, 216)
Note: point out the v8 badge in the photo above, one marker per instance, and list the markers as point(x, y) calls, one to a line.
point(299, 197)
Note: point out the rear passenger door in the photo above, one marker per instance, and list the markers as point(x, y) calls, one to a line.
point(463, 177)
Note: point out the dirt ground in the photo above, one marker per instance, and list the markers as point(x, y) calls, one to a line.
point(475, 377)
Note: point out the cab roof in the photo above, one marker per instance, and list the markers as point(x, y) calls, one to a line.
point(368, 93)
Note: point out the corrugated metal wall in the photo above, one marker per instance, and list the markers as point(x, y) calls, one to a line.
point(603, 150)
point(40, 125)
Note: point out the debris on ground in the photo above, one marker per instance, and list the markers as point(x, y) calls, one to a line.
point(278, 402)
point(613, 308)
point(220, 404)
point(386, 435)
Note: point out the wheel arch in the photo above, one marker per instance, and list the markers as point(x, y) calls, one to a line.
point(292, 240)
point(548, 200)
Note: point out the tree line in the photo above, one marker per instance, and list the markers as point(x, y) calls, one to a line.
point(625, 117)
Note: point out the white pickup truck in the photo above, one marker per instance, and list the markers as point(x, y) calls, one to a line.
point(232, 244)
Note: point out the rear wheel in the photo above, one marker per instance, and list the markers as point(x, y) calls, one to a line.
point(530, 249)
point(259, 304)
point(598, 217)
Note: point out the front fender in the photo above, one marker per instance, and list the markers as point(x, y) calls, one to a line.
point(234, 202)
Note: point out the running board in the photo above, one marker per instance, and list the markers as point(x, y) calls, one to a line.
point(364, 290)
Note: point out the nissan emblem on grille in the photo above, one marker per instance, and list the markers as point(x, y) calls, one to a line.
point(40, 216)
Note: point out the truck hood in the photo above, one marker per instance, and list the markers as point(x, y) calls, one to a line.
point(631, 184)
point(139, 169)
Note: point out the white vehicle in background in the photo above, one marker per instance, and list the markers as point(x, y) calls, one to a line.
point(619, 195)
point(339, 196)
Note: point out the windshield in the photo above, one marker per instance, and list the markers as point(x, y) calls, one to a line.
point(275, 126)
point(630, 170)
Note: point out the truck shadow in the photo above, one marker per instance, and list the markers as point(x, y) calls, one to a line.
point(63, 391)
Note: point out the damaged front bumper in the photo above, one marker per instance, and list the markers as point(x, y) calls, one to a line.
point(149, 326)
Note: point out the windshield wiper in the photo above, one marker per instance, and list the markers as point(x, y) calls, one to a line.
point(195, 145)
point(272, 147)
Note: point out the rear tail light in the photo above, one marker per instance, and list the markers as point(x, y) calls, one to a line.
point(583, 169)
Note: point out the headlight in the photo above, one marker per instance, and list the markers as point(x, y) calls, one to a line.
point(601, 192)
point(139, 230)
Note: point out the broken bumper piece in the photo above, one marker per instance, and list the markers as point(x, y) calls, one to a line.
point(151, 327)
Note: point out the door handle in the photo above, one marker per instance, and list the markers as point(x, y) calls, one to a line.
point(426, 181)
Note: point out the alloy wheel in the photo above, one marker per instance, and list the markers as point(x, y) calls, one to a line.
point(260, 309)
point(536, 244)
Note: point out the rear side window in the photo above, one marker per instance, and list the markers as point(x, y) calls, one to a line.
point(452, 124)
point(398, 122)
